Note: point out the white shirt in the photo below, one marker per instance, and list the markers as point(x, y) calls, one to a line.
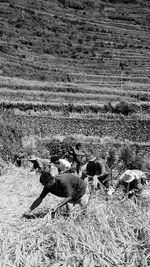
point(64, 164)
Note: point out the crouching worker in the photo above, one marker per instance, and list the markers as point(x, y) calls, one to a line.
point(63, 165)
point(67, 186)
point(132, 182)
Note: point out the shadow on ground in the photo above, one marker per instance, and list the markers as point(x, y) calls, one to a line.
point(36, 215)
point(42, 214)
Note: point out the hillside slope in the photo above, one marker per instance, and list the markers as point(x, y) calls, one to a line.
point(83, 51)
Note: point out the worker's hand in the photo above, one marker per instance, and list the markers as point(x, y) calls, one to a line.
point(132, 192)
point(26, 213)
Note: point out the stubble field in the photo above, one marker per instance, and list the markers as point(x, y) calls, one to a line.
point(113, 233)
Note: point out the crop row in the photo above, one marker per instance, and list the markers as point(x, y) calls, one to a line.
point(79, 95)
point(121, 107)
point(103, 55)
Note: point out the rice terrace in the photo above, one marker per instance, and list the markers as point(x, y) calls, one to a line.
point(74, 72)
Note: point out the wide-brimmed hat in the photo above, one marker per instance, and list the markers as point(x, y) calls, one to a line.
point(91, 158)
point(127, 177)
point(33, 158)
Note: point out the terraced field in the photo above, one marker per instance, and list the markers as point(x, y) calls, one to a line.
point(73, 71)
point(75, 52)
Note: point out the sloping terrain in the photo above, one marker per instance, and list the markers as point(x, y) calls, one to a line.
point(68, 51)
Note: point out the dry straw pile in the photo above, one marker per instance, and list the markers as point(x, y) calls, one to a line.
point(113, 233)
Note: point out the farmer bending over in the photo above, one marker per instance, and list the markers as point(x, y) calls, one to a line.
point(67, 186)
point(132, 182)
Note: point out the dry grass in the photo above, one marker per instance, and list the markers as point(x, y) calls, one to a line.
point(112, 233)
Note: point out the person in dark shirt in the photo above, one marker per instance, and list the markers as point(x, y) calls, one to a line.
point(34, 161)
point(77, 156)
point(67, 186)
point(99, 170)
point(39, 164)
point(18, 159)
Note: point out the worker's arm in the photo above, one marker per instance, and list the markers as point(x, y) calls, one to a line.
point(37, 202)
point(34, 205)
point(61, 204)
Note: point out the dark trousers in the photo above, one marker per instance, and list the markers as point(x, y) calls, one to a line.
point(77, 166)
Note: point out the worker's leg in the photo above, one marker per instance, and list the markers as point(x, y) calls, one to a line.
point(68, 208)
point(78, 167)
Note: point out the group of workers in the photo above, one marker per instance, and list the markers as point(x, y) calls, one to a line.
point(73, 189)
point(65, 185)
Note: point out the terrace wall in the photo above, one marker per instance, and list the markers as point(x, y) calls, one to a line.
point(133, 130)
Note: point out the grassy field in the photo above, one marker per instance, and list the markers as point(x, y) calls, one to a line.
point(113, 233)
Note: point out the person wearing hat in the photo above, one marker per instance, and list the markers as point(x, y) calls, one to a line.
point(67, 186)
point(39, 164)
point(18, 159)
point(77, 156)
point(63, 165)
point(98, 169)
point(132, 181)
point(36, 165)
